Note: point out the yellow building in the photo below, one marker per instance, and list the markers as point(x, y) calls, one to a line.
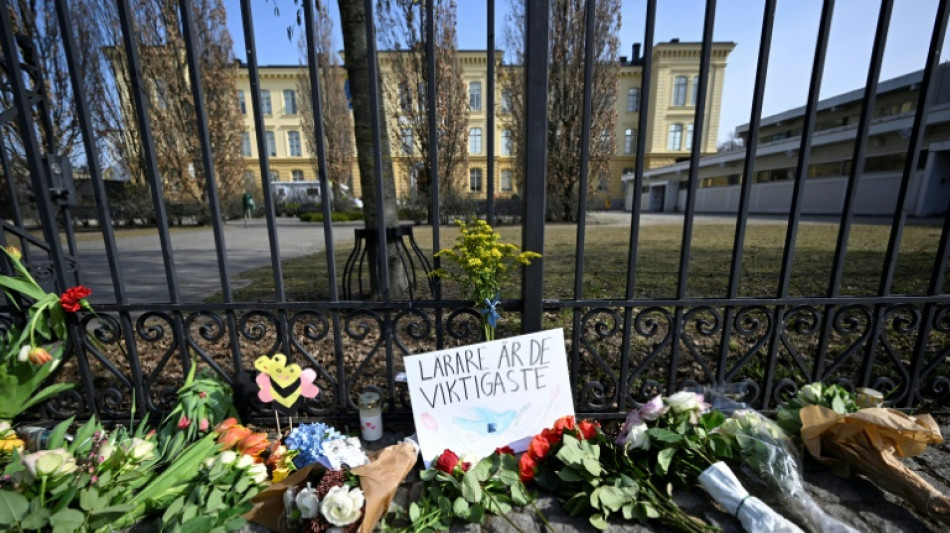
point(671, 111)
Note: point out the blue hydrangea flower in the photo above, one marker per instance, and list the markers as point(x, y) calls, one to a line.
point(308, 440)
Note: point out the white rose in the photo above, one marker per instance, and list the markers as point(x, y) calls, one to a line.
point(637, 438)
point(208, 463)
point(342, 506)
point(138, 449)
point(257, 472)
point(811, 393)
point(684, 401)
point(106, 451)
point(308, 503)
point(244, 462)
point(24, 354)
point(227, 457)
point(470, 458)
point(53, 464)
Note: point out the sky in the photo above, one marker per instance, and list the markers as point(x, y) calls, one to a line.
point(738, 21)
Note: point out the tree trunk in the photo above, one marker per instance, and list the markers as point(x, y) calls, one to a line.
point(375, 211)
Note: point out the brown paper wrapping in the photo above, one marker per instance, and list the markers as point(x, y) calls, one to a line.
point(379, 480)
point(871, 443)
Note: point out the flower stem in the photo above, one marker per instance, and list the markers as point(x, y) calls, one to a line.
point(503, 515)
point(543, 518)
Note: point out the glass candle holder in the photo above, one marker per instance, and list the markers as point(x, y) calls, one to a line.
point(371, 416)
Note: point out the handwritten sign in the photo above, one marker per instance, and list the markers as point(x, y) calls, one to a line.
point(473, 399)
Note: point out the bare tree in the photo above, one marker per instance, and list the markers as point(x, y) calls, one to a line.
point(733, 144)
point(405, 37)
point(565, 97)
point(170, 101)
point(336, 119)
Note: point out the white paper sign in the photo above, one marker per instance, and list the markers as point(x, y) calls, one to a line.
point(475, 398)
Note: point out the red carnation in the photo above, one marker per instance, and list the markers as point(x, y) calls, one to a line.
point(564, 423)
point(504, 450)
point(552, 436)
point(447, 461)
point(527, 467)
point(539, 447)
point(587, 428)
point(71, 300)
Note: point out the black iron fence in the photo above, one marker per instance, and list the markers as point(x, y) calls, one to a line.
point(622, 349)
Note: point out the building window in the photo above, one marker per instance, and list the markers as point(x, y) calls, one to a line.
point(629, 140)
point(405, 97)
point(407, 141)
point(506, 184)
point(265, 102)
point(675, 141)
point(290, 102)
point(293, 143)
point(506, 142)
point(689, 137)
point(242, 106)
point(296, 175)
point(679, 90)
point(271, 143)
point(692, 97)
point(633, 100)
point(506, 100)
point(475, 96)
point(475, 179)
point(274, 175)
point(246, 144)
point(475, 141)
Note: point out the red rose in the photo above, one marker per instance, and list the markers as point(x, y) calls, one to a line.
point(539, 447)
point(447, 462)
point(564, 423)
point(504, 450)
point(71, 300)
point(552, 436)
point(587, 428)
point(466, 466)
point(527, 467)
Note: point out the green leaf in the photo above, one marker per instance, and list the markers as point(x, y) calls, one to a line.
point(663, 459)
point(215, 501)
point(838, 405)
point(199, 524)
point(414, 512)
point(89, 499)
point(460, 507)
point(611, 498)
point(476, 514)
point(569, 475)
point(592, 466)
point(48, 392)
point(56, 436)
point(509, 477)
point(712, 419)
point(664, 435)
point(37, 519)
point(520, 495)
point(67, 521)
point(598, 521)
point(13, 507)
point(23, 287)
point(172, 511)
point(483, 468)
point(471, 490)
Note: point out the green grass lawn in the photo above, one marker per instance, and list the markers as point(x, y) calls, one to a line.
point(606, 257)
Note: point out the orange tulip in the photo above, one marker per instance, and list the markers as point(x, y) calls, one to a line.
point(39, 356)
point(225, 425)
point(232, 436)
point(253, 444)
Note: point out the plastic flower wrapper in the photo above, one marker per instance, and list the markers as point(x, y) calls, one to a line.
point(755, 516)
point(308, 441)
point(769, 454)
point(833, 397)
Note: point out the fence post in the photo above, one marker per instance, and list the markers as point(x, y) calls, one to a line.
point(535, 160)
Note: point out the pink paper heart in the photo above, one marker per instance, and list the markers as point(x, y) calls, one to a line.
point(308, 389)
point(264, 395)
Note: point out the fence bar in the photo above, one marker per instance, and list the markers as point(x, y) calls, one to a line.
point(490, 115)
point(372, 68)
point(900, 214)
point(14, 197)
point(590, 11)
point(138, 92)
point(535, 164)
point(34, 156)
point(316, 105)
point(748, 167)
point(431, 95)
point(698, 123)
point(642, 124)
point(277, 268)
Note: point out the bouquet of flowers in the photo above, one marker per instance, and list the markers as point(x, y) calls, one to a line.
point(768, 453)
point(676, 439)
point(29, 354)
point(833, 397)
point(308, 441)
point(315, 499)
point(481, 262)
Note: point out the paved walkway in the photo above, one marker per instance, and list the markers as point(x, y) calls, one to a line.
point(248, 247)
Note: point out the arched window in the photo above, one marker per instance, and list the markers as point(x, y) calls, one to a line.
point(692, 98)
point(633, 100)
point(475, 96)
point(675, 141)
point(475, 141)
point(679, 90)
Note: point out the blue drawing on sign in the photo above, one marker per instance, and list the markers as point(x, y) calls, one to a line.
point(487, 421)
